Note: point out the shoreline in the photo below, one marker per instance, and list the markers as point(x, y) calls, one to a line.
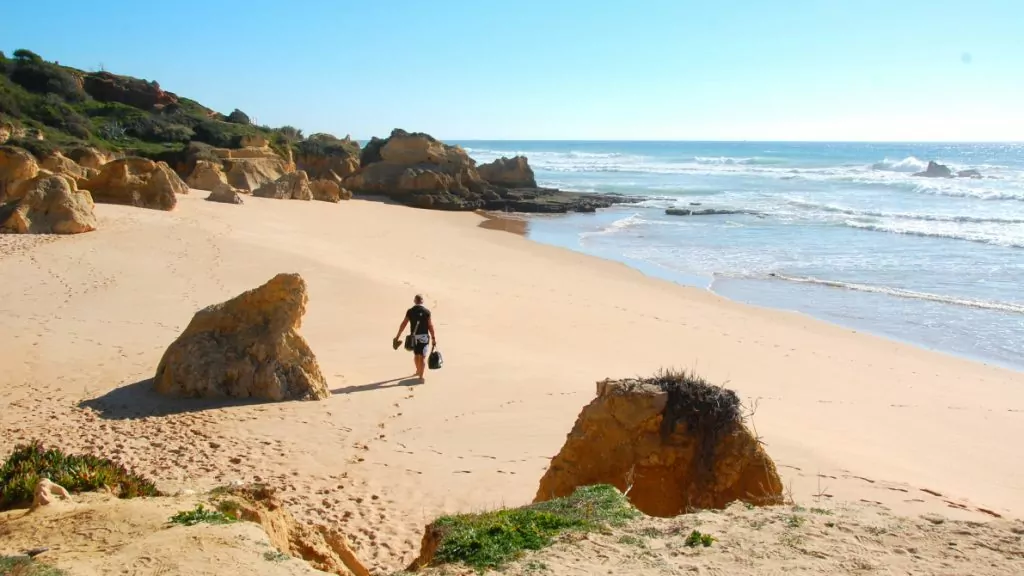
point(526, 328)
point(519, 224)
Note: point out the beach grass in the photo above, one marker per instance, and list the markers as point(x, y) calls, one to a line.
point(492, 539)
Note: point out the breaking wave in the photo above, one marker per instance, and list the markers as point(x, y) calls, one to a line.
point(901, 293)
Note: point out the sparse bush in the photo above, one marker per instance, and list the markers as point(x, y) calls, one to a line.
point(291, 133)
point(25, 55)
point(41, 77)
point(53, 111)
point(200, 514)
point(158, 129)
point(697, 539)
point(78, 473)
point(239, 117)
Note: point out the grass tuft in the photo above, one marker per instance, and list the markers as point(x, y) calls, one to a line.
point(77, 473)
point(696, 538)
point(200, 514)
point(491, 539)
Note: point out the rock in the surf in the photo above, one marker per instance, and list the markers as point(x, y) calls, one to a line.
point(935, 170)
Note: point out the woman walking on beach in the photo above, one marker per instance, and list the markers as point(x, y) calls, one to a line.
point(421, 333)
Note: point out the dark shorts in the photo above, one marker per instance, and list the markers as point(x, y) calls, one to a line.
point(422, 341)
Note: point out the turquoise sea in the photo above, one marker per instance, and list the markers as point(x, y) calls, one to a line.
point(840, 231)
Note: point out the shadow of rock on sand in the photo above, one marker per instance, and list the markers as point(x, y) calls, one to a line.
point(140, 399)
point(393, 383)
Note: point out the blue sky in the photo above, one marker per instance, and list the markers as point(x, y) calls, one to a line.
point(566, 69)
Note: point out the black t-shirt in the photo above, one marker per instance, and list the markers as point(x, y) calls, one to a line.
point(419, 319)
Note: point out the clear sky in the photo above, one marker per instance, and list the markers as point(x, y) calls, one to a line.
point(566, 69)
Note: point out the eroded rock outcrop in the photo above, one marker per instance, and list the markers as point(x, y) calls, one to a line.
point(294, 186)
point(248, 174)
point(328, 190)
point(509, 172)
point(107, 87)
point(322, 153)
point(323, 548)
point(89, 157)
point(49, 204)
point(16, 166)
point(419, 170)
point(247, 347)
point(206, 176)
point(673, 441)
point(137, 182)
point(60, 164)
point(225, 194)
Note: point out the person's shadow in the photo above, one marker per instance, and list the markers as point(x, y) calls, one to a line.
point(393, 383)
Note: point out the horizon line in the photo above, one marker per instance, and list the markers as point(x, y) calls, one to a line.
point(713, 141)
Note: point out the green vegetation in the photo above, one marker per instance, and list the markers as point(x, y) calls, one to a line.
point(275, 556)
point(73, 108)
point(200, 514)
point(697, 539)
point(25, 566)
point(794, 521)
point(491, 539)
point(77, 473)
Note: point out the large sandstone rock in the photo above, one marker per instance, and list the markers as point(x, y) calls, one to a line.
point(419, 170)
point(16, 166)
point(206, 176)
point(509, 172)
point(320, 166)
point(673, 442)
point(294, 186)
point(60, 164)
point(328, 190)
point(137, 182)
point(88, 157)
point(248, 174)
point(254, 141)
point(247, 347)
point(49, 204)
point(225, 194)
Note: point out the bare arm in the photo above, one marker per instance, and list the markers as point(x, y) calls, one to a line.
point(405, 322)
point(430, 327)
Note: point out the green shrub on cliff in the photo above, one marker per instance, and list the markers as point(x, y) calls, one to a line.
point(491, 539)
point(75, 108)
point(77, 473)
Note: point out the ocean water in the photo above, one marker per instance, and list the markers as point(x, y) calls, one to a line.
point(843, 231)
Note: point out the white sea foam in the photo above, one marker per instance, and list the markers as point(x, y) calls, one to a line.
point(834, 209)
point(1001, 236)
point(617, 226)
point(901, 293)
point(908, 164)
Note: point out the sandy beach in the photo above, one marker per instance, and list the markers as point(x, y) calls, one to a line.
point(526, 330)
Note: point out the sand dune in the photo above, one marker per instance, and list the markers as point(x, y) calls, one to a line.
point(526, 330)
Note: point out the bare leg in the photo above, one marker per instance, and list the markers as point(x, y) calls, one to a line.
point(420, 365)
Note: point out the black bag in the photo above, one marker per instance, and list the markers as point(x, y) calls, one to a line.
point(410, 342)
point(434, 361)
